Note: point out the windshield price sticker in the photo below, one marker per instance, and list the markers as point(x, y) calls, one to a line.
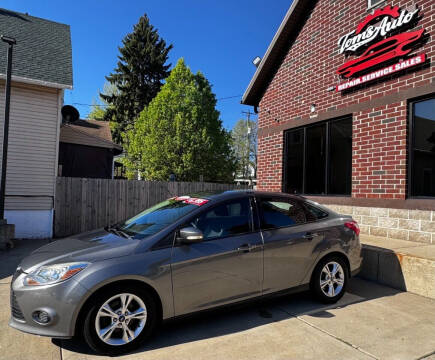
point(191, 201)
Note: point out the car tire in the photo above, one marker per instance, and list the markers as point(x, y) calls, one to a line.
point(329, 279)
point(127, 330)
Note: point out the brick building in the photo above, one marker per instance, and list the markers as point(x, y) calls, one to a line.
point(346, 101)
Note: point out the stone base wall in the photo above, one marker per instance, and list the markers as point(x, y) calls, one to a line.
point(412, 225)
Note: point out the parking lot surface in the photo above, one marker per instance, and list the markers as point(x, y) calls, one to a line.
point(370, 322)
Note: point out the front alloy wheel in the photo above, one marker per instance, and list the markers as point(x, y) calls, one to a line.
point(119, 321)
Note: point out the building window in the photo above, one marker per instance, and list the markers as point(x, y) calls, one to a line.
point(340, 157)
point(422, 148)
point(315, 166)
point(373, 3)
point(294, 160)
point(318, 159)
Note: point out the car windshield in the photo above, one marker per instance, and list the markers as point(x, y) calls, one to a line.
point(156, 218)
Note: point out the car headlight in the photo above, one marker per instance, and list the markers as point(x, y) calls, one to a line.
point(52, 274)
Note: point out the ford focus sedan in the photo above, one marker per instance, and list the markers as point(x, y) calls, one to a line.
point(187, 254)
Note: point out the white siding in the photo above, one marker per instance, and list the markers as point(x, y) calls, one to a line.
point(33, 128)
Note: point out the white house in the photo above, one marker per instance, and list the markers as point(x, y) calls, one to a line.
point(42, 70)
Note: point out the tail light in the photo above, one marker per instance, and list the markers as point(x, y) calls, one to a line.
point(353, 225)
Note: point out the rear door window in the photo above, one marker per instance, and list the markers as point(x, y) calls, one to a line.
point(277, 213)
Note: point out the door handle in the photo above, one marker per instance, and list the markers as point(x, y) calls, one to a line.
point(310, 236)
point(245, 248)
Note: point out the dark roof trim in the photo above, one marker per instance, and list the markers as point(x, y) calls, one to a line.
point(110, 144)
point(276, 50)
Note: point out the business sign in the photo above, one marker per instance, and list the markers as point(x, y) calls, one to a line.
point(378, 41)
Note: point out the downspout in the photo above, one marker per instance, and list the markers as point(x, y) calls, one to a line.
point(56, 161)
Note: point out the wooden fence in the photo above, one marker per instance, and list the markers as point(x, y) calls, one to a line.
point(87, 204)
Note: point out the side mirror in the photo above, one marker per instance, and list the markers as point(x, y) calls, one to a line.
point(190, 235)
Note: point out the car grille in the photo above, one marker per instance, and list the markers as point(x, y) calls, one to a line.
point(15, 309)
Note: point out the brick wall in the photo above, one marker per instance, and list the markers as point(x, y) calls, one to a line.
point(309, 68)
point(270, 164)
point(379, 152)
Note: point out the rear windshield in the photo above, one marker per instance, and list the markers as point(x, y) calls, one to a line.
point(156, 218)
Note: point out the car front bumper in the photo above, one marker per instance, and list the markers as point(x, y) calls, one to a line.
point(61, 302)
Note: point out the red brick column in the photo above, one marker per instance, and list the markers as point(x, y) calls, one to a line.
point(270, 162)
point(379, 152)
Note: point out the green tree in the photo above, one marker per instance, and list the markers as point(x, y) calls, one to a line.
point(180, 133)
point(97, 113)
point(100, 107)
point(244, 145)
point(137, 77)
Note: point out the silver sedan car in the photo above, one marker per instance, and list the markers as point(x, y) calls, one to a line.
point(187, 254)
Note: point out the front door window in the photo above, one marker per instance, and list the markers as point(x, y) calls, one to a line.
point(228, 219)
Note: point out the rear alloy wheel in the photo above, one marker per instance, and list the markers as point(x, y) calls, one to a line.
point(119, 322)
point(329, 280)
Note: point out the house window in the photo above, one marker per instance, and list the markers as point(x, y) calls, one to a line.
point(422, 148)
point(318, 159)
point(373, 3)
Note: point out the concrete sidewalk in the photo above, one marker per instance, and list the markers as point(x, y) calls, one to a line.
point(404, 265)
point(410, 248)
point(370, 322)
point(15, 345)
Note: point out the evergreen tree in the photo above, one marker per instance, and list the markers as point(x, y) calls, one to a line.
point(137, 77)
point(180, 133)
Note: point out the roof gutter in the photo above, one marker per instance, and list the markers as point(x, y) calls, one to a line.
point(266, 62)
point(24, 80)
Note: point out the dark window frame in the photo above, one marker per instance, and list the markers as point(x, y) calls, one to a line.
point(306, 208)
point(410, 145)
point(252, 223)
point(304, 128)
point(163, 243)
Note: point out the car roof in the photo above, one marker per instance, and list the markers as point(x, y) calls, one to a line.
point(229, 194)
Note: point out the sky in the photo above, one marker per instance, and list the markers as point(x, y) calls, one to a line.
point(218, 38)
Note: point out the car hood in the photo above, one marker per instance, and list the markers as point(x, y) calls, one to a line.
point(87, 247)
